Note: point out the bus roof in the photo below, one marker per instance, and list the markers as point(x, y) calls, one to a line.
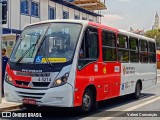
point(84, 22)
point(61, 20)
point(136, 35)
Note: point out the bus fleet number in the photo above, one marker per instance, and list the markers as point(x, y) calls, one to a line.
point(44, 79)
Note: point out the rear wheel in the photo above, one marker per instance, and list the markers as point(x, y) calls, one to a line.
point(137, 93)
point(87, 101)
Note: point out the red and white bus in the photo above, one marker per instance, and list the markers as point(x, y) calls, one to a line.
point(70, 63)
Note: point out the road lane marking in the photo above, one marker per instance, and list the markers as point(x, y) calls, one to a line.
point(131, 108)
point(143, 104)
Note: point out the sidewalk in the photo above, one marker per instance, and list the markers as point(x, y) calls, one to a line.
point(158, 72)
point(7, 106)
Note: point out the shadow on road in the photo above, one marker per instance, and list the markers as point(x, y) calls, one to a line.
point(55, 113)
point(119, 101)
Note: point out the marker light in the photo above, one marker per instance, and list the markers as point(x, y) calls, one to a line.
point(8, 79)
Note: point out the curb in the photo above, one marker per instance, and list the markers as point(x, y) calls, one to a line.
point(5, 109)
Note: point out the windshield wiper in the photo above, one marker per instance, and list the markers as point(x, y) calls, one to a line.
point(24, 54)
point(40, 47)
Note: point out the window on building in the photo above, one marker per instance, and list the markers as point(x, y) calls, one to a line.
point(152, 52)
point(134, 53)
point(123, 52)
point(24, 7)
point(84, 18)
point(35, 9)
point(89, 48)
point(143, 51)
point(109, 46)
point(4, 44)
point(91, 20)
point(65, 15)
point(11, 43)
point(77, 17)
point(52, 12)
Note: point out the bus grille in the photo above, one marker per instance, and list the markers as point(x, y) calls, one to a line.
point(33, 74)
point(35, 84)
point(41, 84)
point(31, 95)
point(22, 83)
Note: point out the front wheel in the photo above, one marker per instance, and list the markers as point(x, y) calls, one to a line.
point(87, 101)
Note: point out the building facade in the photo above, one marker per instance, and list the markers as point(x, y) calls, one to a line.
point(156, 22)
point(137, 31)
point(24, 12)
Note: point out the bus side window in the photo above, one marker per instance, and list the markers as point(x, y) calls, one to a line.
point(152, 52)
point(133, 46)
point(109, 46)
point(123, 52)
point(143, 51)
point(89, 48)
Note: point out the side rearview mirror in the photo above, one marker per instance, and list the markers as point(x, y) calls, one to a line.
point(17, 37)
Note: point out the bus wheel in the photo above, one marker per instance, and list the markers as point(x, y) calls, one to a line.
point(137, 91)
point(87, 101)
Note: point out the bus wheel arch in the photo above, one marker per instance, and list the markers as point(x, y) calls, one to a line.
point(90, 93)
point(93, 89)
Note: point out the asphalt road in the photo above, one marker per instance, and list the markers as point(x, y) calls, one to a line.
point(121, 108)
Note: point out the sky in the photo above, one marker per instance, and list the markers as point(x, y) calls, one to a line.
point(138, 14)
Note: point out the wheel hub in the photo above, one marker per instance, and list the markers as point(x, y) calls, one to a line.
point(87, 101)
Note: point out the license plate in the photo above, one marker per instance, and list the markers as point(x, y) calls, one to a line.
point(29, 101)
point(41, 79)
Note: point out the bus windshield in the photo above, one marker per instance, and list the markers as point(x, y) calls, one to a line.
point(54, 43)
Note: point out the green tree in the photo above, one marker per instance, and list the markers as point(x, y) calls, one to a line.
point(155, 34)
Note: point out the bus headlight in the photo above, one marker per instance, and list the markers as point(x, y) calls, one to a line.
point(8, 79)
point(61, 81)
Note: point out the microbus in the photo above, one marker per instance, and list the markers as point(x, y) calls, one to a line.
point(71, 63)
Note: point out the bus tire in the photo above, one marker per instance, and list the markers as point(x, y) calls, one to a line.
point(87, 101)
point(137, 93)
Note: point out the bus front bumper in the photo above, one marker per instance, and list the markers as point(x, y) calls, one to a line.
point(61, 96)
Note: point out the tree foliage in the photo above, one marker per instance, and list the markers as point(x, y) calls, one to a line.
point(155, 34)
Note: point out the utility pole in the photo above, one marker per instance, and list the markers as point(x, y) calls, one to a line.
point(0, 51)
